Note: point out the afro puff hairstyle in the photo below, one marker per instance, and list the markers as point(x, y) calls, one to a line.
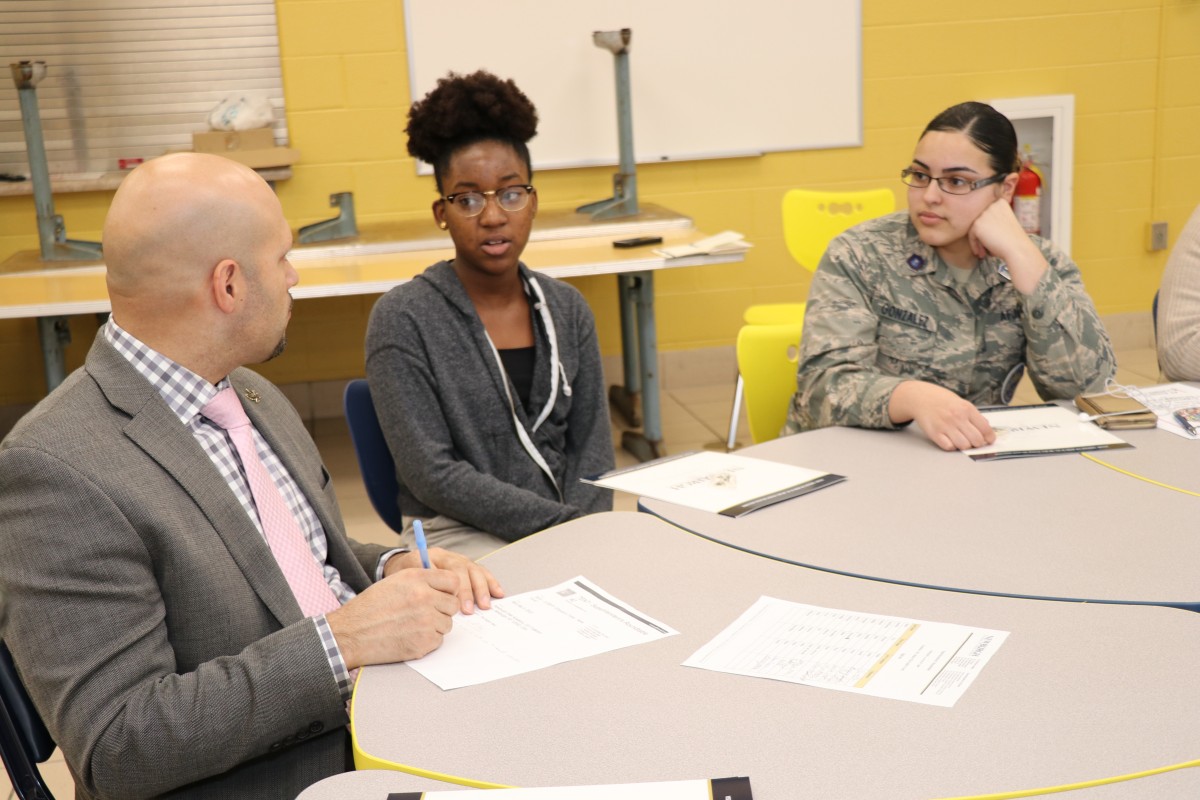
point(465, 109)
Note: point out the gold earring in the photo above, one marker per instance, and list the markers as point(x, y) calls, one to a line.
point(443, 225)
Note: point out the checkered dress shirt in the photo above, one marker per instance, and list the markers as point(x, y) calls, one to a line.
point(185, 393)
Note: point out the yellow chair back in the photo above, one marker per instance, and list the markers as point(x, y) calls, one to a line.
point(811, 219)
point(767, 357)
point(773, 313)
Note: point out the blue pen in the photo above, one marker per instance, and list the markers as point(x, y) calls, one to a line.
point(1183, 420)
point(419, 532)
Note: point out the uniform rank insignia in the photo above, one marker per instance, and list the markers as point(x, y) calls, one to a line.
point(916, 262)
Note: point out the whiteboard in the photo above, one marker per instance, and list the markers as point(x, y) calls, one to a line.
point(708, 80)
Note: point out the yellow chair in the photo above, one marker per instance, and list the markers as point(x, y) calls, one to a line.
point(811, 220)
point(767, 357)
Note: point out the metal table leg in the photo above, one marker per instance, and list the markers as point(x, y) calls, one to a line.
point(731, 440)
point(55, 334)
point(625, 398)
point(647, 444)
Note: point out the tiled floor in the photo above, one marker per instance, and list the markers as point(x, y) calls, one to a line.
point(694, 417)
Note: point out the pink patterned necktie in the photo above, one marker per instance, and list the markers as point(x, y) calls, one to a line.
point(287, 541)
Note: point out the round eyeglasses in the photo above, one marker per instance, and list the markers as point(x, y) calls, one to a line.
point(471, 204)
point(950, 184)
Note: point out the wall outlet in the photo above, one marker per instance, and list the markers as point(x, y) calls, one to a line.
point(1156, 236)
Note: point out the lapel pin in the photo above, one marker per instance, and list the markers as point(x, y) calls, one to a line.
point(252, 395)
point(915, 262)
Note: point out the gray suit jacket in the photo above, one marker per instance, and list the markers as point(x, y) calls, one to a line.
point(152, 626)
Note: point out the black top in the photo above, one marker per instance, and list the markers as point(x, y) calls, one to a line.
point(518, 363)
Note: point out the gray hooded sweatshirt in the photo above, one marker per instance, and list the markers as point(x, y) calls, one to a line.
point(440, 396)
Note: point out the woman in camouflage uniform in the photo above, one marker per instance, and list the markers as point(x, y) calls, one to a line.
point(925, 314)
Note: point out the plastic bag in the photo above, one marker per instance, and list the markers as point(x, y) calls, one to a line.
point(241, 112)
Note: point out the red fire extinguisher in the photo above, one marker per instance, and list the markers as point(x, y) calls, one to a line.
point(1027, 199)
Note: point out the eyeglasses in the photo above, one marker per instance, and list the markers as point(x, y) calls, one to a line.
point(471, 204)
point(950, 184)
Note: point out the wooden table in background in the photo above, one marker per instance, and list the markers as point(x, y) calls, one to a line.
point(564, 244)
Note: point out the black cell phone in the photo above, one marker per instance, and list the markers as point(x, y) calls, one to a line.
point(638, 241)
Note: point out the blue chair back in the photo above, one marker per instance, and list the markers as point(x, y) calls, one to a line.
point(1154, 314)
point(24, 740)
point(374, 458)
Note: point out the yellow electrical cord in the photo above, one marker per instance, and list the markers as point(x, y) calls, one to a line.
point(1073, 786)
point(1139, 477)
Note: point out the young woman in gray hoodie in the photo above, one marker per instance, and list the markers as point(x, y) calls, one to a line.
point(486, 377)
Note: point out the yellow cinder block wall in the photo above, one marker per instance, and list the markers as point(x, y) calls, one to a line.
point(1133, 66)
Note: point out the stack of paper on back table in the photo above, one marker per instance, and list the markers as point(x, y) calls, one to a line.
point(724, 484)
point(725, 242)
point(1165, 400)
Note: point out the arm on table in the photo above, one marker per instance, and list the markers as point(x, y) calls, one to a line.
point(1067, 349)
point(100, 644)
point(838, 382)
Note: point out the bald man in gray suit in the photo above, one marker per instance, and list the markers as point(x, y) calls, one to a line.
point(151, 623)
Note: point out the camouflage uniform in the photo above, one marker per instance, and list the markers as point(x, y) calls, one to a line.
point(885, 308)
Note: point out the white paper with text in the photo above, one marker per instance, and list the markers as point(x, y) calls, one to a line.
point(717, 789)
point(722, 483)
point(537, 629)
point(1023, 431)
point(852, 651)
point(1164, 400)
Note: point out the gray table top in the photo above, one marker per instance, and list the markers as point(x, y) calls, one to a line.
point(1077, 692)
point(1061, 527)
point(1158, 456)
